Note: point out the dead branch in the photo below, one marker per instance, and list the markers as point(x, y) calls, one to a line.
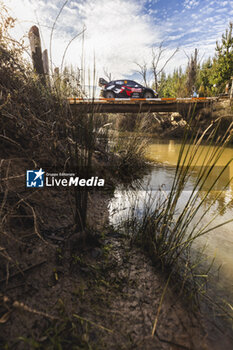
point(168, 60)
point(107, 74)
point(142, 71)
point(10, 140)
point(156, 58)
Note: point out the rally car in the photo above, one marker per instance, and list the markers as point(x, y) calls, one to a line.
point(125, 89)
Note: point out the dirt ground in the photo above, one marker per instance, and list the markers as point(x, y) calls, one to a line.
point(92, 291)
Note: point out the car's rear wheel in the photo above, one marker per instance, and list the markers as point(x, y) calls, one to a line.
point(148, 94)
point(109, 94)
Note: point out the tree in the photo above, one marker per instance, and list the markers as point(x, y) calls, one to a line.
point(192, 73)
point(107, 74)
point(157, 65)
point(173, 85)
point(143, 71)
point(223, 63)
point(156, 58)
point(162, 84)
point(205, 78)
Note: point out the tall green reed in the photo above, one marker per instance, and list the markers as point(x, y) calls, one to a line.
point(168, 232)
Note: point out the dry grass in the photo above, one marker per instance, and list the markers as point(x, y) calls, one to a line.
point(37, 130)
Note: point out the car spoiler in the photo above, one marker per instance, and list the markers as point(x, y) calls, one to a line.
point(102, 82)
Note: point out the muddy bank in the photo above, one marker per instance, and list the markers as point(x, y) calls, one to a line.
point(173, 125)
point(92, 290)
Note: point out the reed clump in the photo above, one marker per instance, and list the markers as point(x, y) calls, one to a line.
point(168, 230)
point(130, 148)
point(131, 152)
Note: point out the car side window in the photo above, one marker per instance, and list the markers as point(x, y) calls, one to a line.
point(131, 83)
point(119, 82)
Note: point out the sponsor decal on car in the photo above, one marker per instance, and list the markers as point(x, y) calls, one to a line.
point(118, 91)
point(136, 90)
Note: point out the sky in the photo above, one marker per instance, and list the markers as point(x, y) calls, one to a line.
point(120, 33)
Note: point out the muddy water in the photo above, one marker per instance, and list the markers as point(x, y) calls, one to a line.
point(219, 243)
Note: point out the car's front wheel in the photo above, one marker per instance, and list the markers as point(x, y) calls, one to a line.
point(109, 94)
point(148, 94)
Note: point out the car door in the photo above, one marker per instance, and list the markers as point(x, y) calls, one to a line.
point(134, 90)
point(119, 89)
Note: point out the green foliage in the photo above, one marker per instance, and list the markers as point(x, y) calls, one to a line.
point(211, 77)
point(173, 85)
point(223, 63)
point(205, 79)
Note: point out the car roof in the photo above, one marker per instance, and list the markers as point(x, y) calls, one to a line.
point(128, 80)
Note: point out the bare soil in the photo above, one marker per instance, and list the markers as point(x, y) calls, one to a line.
point(93, 290)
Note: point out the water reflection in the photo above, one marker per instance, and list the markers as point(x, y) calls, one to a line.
point(167, 152)
point(220, 241)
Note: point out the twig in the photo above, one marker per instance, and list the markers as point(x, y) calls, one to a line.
point(12, 177)
point(10, 140)
point(35, 222)
point(6, 191)
point(93, 323)
point(14, 287)
point(17, 304)
point(23, 271)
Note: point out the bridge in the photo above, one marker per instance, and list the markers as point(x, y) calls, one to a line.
point(145, 105)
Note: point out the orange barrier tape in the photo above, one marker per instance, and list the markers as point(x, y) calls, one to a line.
point(168, 99)
point(73, 100)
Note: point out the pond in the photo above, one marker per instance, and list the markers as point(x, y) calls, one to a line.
point(219, 242)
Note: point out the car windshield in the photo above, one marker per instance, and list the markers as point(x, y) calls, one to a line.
point(130, 83)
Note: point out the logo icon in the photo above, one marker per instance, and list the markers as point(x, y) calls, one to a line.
point(35, 178)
